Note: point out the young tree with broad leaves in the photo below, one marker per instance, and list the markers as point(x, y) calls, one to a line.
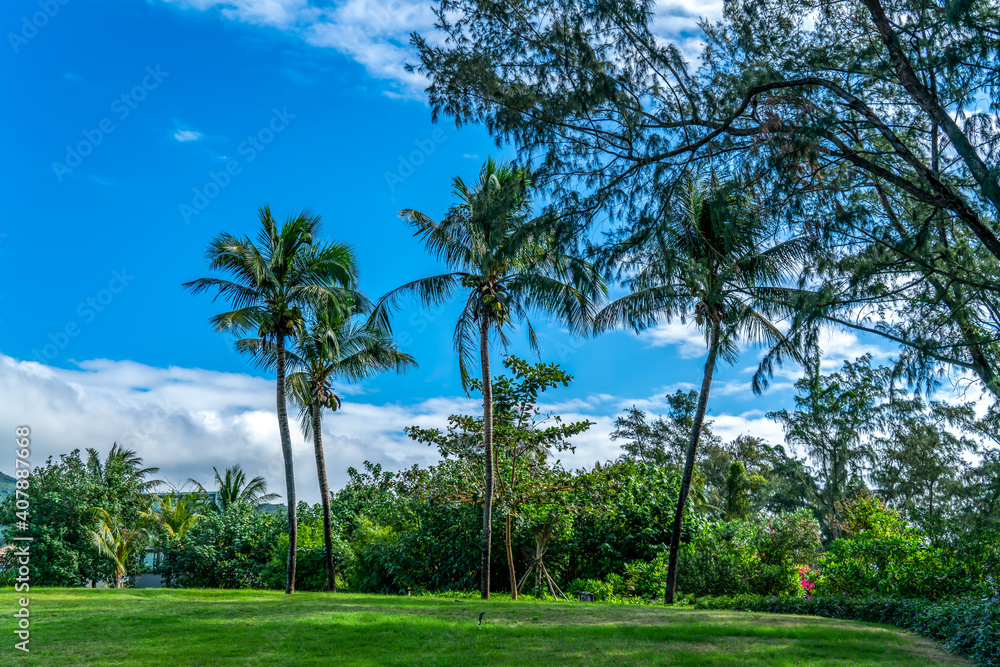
point(504, 263)
point(525, 438)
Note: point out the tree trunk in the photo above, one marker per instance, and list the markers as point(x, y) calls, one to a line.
point(510, 561)
point(324, 490)
point(286, 453)
point(539, 552)
point(509, 540)
point(699, 419)
point(484, 354)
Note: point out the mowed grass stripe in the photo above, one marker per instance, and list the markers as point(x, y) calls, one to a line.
point(211, 627)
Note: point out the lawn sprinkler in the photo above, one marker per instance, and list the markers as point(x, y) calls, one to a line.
point(481, 620)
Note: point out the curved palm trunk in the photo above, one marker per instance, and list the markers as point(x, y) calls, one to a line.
point(324, 490)
point(484, 354)
point(286, 453)
point(699, 419)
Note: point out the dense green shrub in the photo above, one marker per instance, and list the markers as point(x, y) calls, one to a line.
point(884, 555)
point(627, 514)
point(62, 493)
point(310, 554)
point(968, 625)
point(228, 549)
point(760, 555)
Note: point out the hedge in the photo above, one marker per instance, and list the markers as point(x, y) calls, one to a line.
point(967, 626)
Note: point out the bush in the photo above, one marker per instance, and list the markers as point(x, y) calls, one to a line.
point(969, 625)
point(603, 591)
point(310, 555)
point(884, 555)
point(227, 549)
point(761, 555)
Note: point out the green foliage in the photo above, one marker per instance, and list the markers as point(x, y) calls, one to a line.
point(235, 488)
point(760, 555)
point(227, 549)
point(626, 512)
point(884, 555)
point(968, 625)
point(63, 493)
point(310, 567)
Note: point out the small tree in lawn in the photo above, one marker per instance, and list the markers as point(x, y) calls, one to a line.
point(546, 510)
point(525, 439)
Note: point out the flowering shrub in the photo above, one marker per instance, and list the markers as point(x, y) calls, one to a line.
point(760, 555)
point(807, 579)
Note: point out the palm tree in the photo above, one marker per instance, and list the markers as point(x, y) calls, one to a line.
point(341, 347)
point(236, 489)
point(506, 264)
point(273, 284)
point(128, 464)
point(173, 515)
point(714, 258)
point(116, 542)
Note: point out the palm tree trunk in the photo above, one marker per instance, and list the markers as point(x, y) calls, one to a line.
point(324, 490)
point(699, 419)
point(484, 355)
point(286, 453)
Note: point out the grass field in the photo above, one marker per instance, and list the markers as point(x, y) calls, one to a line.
point(210, 627)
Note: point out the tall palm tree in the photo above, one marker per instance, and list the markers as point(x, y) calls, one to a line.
point(505, 263)
point(711, 257)
point(116, 542)
point(236, 489)
point(336, 347)
point(274, 283)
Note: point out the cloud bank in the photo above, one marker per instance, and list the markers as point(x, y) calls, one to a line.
point(186, 420)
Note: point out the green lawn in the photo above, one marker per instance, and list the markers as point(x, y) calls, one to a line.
point(209, 627)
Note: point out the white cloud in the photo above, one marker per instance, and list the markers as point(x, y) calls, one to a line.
point(753, 422)
point(377, 35)
point(840, 345)
point(688, 338)
point(187, 135)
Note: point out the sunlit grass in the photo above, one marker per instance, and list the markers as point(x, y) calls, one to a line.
point(211, 627)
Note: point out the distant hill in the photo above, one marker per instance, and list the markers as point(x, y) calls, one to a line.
point(6, 485)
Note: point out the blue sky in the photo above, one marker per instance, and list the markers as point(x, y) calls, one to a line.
point(138, 130)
